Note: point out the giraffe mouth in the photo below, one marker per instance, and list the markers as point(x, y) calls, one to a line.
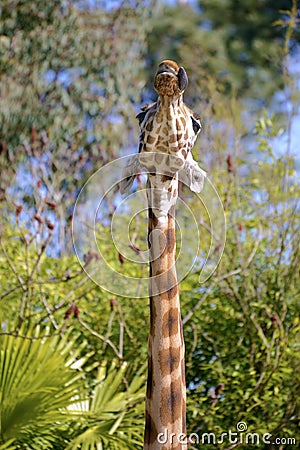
point(181, 75)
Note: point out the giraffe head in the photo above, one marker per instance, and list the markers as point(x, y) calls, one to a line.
point(168, 132)
point(170, 79)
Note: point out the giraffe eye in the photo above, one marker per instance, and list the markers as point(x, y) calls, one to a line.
point(196, 125)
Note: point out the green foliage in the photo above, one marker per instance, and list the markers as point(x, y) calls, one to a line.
point(238, 44)
point(251, 41)
point(38, 383)
point(70, 81)
point(65, 88)
point(245, 334)
point(113, 418)
point(45, 402)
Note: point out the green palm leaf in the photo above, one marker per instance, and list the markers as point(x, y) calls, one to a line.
point(37, 383)
point(8, 445)
point(114, 414)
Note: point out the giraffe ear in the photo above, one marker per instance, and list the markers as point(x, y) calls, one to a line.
point(132, 168)
point(192, 175)
point(141, 116)
point(125, 184)
point(182, 79)
point(196, 124)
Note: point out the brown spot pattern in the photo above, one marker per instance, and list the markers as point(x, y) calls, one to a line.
point(165, 178)
point(173, 288)
point(153, 316)
point(150, 431)
point(169, 360)
point(171, 402)
point(150, 381)
point(149, 126)
point(170, 323)
point(170, 240)
point(164, 296)
point(161, 148)
point(152, 220)
point(159, 158)
point(173, 138)
point(159, 272)
point(150, 139)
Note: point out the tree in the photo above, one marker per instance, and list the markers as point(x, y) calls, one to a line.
point(75, 113)
point(242, 328)
point(38, 383)
point(46, 402)
point(111, 418)
point(237, 44)
point(69, 80)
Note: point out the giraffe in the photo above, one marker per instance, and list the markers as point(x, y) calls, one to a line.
point(168, 132)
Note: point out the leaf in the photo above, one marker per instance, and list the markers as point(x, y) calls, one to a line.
point(114, 412)
point(37, 385)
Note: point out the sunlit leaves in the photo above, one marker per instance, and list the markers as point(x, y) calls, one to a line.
point(37, 385)
point(114, 416)
point(71, 78)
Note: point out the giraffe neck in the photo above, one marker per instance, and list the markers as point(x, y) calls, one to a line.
point(166, 102)
point(168, 132)
point(166, 392)
point(168, 113)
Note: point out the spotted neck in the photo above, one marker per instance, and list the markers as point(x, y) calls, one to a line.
point(166, 391)
point(168, 132)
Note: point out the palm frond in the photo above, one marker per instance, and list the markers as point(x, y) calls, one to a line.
point(115, 412)
point(37, 384)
